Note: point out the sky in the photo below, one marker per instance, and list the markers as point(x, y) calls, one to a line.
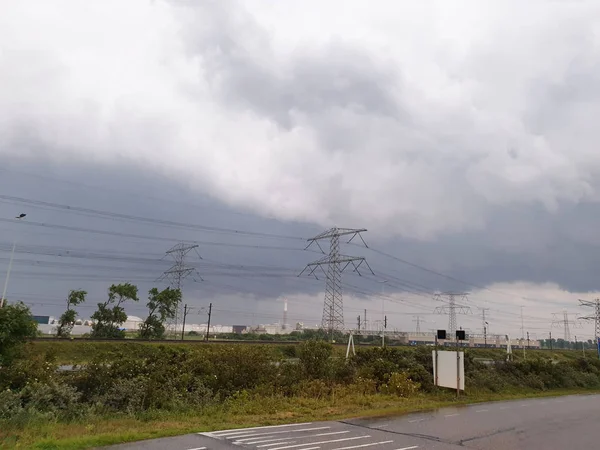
point(461, 135)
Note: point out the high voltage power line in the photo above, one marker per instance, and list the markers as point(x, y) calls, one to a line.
point(226, 270)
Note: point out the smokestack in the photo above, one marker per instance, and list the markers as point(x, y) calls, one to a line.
point(284, 326)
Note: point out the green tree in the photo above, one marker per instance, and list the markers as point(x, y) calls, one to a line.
point(67, 320)
point(16, 326)
point(111, 314)
point(161, 306)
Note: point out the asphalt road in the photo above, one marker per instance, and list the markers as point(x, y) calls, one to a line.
point(571, 423)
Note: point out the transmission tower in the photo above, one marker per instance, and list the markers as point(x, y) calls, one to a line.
point(176, 274)
point(417, 319)
point(565, 323)
point(333, 307)
point(452, 308)
point(595, 317)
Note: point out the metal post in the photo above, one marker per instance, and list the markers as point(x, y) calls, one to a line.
point(457, 370)
point(185, 311)
point(485, 336)
point(551, 340)
point(208, 325)
point(436, 360)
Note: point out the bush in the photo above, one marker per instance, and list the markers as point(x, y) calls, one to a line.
point(315, 359)
point(10, 404)
point(400, 384)
point(58, 399)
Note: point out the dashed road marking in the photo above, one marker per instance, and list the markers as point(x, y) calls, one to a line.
point(416, 420)
point(198, 448)
point(323, 442)
point(451, 415)
point(505, 407)
point(408, 448)
point(364, 445)
point(482, 410)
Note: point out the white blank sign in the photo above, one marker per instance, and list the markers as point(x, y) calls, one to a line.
point(448, 365)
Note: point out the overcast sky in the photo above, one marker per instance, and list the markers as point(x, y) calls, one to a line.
point(461, 134)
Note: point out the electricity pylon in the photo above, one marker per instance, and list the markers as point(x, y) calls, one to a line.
point(452, 308)
point(176, 274)
point(565, 323)
point(595, 317)
point(333, 306)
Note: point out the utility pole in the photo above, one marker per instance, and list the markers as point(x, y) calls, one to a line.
point(358, 322)
point(522, 326)
point(177, 273)
point(452, 309)
point(366, 325)
point(551, 340)
point(208, 325)
point(333, 306)
point(595, 317)
point(185, 313)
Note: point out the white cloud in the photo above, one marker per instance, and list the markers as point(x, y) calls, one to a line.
point(414, 120)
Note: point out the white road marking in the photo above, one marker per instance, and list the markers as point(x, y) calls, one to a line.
point(408, 448)
point(223, 432)
point(322, 442)
point(416, 420)
point(270, 433)
point(451, 415)
point(245, 440)
point(525, 405)
point(505, 407)
point(364, 445)
point(275, 443)
point(482, 410)
point(249, 441)
point(198, 448)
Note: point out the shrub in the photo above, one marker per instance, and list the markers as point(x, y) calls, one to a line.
point(10, 404)
point(59, 399)
point(314, 359)
point(400, 384)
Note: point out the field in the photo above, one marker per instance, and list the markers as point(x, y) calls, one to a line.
point(123, 391)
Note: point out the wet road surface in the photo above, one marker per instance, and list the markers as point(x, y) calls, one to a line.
point(571, 422)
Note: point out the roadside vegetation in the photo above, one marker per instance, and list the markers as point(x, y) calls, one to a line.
point(122, 391)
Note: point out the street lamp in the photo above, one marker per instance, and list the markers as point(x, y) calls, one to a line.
point(12, 254)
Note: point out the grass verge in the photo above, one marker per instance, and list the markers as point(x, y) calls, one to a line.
point(101, 431)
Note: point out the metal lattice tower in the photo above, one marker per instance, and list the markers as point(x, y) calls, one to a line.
point(176, 274)
point(565, 323)
point(452, 308)
point(417, 319)
point(595, 317)
point(333, 306)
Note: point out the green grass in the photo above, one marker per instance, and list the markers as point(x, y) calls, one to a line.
point(102, 431)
